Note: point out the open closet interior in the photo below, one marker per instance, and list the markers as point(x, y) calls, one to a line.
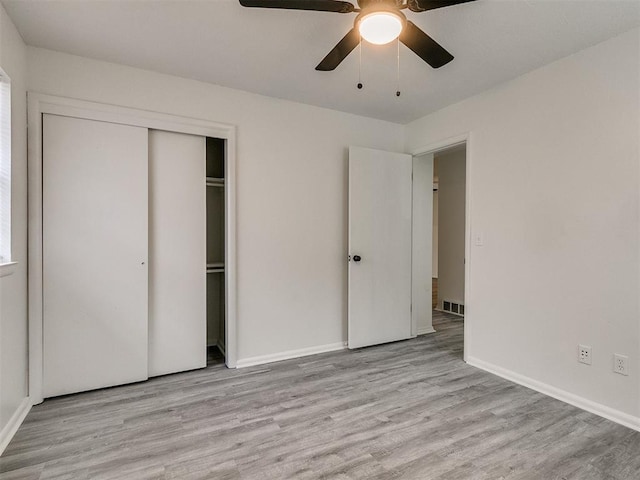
point(215, 172)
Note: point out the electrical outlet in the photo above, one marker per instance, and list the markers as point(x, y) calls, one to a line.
point(621, 364)
point(584, 354)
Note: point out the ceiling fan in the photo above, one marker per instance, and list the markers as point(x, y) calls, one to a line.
point(378, 22)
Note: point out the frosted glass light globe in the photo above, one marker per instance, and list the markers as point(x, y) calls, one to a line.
point(380, 28)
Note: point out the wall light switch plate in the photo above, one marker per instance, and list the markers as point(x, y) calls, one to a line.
point(478, 240)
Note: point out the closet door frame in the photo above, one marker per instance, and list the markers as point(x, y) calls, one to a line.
point(39, 104)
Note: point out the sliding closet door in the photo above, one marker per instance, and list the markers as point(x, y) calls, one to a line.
point(177, 253)
point(95, 230)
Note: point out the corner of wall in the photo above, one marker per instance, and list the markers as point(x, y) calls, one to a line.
point(14, 403)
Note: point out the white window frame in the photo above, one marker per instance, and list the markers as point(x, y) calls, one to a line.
point(6, 260)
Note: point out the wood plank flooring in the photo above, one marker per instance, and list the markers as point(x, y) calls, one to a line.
point(408, 410)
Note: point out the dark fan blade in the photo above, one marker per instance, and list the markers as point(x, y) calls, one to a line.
point(424, 5)
point(424, 46)
point(340, 51)
point(317, 5)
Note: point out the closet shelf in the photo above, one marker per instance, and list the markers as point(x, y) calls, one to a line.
point(215, 267)
point(215, 182)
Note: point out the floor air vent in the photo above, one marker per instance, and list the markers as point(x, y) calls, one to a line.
point(453, 307)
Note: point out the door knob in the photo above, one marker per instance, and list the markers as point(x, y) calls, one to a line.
point(357, 258)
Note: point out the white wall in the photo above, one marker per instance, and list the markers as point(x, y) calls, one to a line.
point(292, 191)
point(13, 288)
point(422, 244)
point(434, 243)
point(451, 225)
point(554, 191)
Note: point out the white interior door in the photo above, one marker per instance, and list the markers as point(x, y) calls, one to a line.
point(95, 228)
point(177, 253)
point(379, 247)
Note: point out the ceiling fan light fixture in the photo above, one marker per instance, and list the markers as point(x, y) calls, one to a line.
point(381, 28)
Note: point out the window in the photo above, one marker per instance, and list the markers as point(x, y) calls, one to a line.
point(5, 169)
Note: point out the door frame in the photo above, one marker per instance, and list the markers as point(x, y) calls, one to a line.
point(415, 239)
point(435, 147)
point(39, 104)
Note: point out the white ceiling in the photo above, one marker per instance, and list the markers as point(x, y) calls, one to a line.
point(274, 52)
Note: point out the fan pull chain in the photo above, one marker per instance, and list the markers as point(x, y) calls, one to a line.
point(398, 90)
point(360, 64)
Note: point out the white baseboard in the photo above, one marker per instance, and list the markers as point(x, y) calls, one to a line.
point(277, 357)
point(14, 423)
point(559, 394)
point(425, 330)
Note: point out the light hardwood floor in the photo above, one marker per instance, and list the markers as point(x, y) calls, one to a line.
point(410, 410)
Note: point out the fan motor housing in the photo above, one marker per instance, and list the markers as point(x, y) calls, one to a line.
point(379, 7)
point(373, 3)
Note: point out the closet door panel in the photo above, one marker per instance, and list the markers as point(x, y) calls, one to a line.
point(95, 233)
point(177, 249)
